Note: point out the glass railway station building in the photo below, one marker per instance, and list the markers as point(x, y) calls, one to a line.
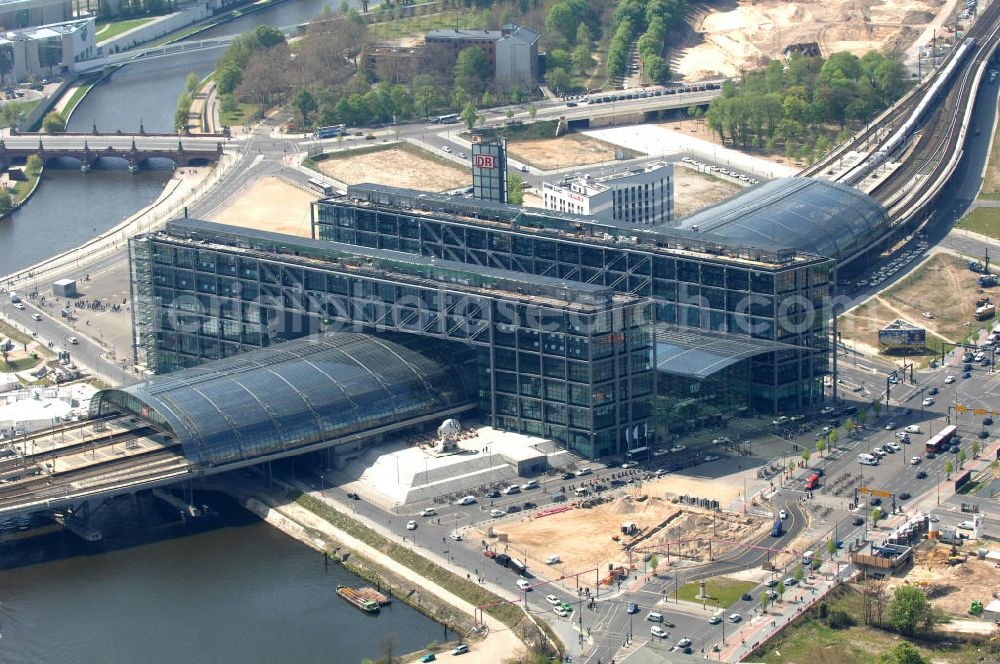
point(584, 332)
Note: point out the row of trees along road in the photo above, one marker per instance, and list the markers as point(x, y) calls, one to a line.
point(651, 19)
point(807, 101)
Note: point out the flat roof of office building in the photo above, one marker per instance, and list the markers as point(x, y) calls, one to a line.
point(400, 266)
point(673, 241)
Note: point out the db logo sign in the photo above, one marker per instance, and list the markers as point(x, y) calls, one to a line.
point(485, 161)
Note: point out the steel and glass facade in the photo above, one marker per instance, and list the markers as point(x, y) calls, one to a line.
point(570, 362)
point(691, 280)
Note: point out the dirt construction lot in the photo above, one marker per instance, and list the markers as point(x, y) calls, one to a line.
point(563, 152)
point(583, 537)
point(749, 33)
point(398, 166)
point(952, 588)
point(271, 204)
point(693, 191)
point(943, 286)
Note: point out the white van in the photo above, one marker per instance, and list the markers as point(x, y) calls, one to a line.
point(581, 491)
point(553, 559)
point(913, 428)
point(530, 484)
point(655, 617)
point(867, 460)
point(511, 490)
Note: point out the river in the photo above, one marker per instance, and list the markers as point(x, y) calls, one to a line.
point(235, 590)
point(69, 207)
point(231, 589)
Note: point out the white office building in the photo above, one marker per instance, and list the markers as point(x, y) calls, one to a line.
point(638, 196)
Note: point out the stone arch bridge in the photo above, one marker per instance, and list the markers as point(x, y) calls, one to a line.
point(133, 149)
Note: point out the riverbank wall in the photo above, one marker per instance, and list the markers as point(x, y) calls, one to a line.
point(155, 29)
point(385, 580)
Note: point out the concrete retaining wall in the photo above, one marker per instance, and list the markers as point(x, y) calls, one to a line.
point(154, 30)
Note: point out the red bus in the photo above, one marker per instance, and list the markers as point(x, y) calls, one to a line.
point(940, 441)
point(812, 482)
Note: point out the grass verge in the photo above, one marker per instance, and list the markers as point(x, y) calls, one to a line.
point(15, 335)
point(112, 30)
point(811, 638)
point(389, 29)
point(243, 111)
point(467, 590)
point(78, 95)
point(25, 363)
point(982, 220)
point(721, 590)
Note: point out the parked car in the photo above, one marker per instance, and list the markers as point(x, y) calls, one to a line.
point(460, 650)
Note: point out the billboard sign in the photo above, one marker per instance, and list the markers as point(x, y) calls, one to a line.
point(485, 161)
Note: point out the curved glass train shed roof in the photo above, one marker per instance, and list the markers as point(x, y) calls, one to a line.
point(812, 215)
point(301, 392)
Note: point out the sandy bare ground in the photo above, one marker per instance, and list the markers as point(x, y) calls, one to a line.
point(570, 150)
point(407, 167)
point(753, 32)
point(942, 286)
point(583, 537)
point(694, 191)
point(699, 129)
point(952, 588)
point(270, 204)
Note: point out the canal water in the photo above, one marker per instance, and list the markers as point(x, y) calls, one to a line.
point(70, 207)
point(233, 590)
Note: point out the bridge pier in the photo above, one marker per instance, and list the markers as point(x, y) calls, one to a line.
point(77, 521)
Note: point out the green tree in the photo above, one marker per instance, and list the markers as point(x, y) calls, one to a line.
point(949, 468)
point(515, 189)
point(558, 79)
point(532, 112)
point(267, 36)
point(961, 458)
point(304, 104)
point(876, 515)
point(831, 548)
point(583, 60)
point(654, 562)
point(834, 437)
point(902, 653)
point(863, 415)
point(806, 454)
point(469, 116)
point(791, 465)
point(191, 83)
point(764, 601)
point(909, 610)
point(6, 205)
point(584, 36)
point(344, 6)
point(228, 78)
point(657, 69)
point(472, 71)
point(799, 574)
point(780, 589)
point(877, 407)
point(34, 165)
point(53, 122)
point(975, 449)
point(820, 446)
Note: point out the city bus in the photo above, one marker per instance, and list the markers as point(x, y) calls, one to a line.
point(322, 187)
point(940, 441)
point(812, 482)
point(451, 118)
point(330, 132)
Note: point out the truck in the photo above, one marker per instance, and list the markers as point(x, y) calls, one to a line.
point(988, 279)
point(15, 298)
point(518, 566)
point(777, 528)
point(985, 312)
